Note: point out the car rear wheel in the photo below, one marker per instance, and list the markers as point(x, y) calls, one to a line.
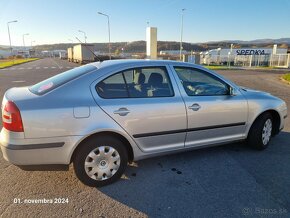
point(261, 132)
point(100, 161)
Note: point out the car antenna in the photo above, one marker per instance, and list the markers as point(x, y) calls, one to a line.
point(88, 49)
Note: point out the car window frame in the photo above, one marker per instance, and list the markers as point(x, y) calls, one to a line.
point(166, 71)
point(206, 73)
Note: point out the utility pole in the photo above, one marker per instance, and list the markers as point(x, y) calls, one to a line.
point(26, 34)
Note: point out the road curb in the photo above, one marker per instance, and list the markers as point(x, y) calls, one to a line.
point(284, 80)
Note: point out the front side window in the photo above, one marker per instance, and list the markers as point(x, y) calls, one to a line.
point(200, 83)
point(136, 83)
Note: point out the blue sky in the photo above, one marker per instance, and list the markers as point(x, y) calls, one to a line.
point(56, 21)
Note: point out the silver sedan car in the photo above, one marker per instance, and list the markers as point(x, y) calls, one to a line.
point(101, 116)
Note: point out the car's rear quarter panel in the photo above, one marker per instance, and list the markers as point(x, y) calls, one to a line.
point(51, 114)
point(50, 118)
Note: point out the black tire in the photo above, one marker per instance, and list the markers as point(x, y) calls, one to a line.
point(255, 138)
point(94, 143)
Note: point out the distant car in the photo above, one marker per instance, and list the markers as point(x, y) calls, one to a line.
point(102, 115)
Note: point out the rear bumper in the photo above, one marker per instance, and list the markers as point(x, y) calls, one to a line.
point(45, 167)
point(42, 151)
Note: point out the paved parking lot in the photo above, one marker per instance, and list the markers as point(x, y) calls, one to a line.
point(226, 181)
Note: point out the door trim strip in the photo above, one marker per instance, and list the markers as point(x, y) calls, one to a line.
point(141, 135)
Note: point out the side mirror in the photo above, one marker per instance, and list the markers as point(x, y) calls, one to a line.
point(232, 91)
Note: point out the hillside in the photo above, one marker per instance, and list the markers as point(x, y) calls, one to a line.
point(131, 47)
point(140, 46)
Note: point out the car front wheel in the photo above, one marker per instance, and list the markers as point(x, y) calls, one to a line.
point(261, 132)
point(100, 161)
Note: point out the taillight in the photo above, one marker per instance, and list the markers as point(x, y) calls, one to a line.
point(11, 117)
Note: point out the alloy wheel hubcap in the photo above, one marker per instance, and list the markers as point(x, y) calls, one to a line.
point(267, 132)
point(102, 163)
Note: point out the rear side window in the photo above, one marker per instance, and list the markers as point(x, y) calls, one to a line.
point(144, 82)
point(60, 79)
point(113, 87)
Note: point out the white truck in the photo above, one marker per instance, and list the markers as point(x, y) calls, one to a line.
point(70, 54)
point(83, 53)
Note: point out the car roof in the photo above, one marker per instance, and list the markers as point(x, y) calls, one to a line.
point(141, 62)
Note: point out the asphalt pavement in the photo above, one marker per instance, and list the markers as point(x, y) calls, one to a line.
point(226, 181)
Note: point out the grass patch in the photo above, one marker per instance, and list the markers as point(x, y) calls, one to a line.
point(265, 68)
point(286, 77)
point(9, 63)
point(216, 67)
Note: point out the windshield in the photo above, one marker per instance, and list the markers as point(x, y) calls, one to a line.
point(60, 79)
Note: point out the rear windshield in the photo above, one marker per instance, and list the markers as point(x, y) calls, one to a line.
point(60, 79)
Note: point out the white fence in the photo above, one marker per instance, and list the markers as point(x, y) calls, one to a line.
point(277, 60)
point(282, 60)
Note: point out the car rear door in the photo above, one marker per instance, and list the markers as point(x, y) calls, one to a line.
point(214, 115)
point(147, 104)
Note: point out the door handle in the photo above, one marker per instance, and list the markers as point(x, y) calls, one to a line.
point(122, 111)
point(195, 107)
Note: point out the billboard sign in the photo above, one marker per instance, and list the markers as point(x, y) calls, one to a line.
point(252, 52)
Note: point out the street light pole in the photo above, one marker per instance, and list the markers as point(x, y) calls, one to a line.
point(181, 32)
point(26, 34)
point(32, 51)
point(108, 31)
point(14, 21)
point(85, 35)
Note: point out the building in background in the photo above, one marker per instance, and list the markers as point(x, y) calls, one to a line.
point(246, 57)
point(173, 52)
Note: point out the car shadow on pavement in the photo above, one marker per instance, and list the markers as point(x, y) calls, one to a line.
point(224, 181)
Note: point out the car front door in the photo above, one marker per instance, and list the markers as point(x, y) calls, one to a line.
point(147, 105)
point(215, 115)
